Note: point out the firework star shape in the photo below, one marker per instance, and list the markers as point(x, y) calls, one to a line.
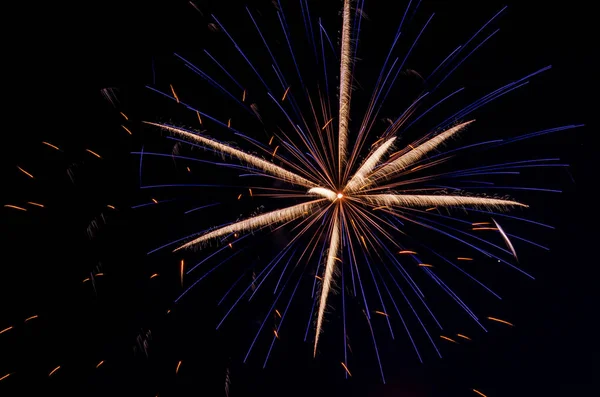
point(355, 199)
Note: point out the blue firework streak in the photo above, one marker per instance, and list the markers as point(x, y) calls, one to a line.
point(355, 196)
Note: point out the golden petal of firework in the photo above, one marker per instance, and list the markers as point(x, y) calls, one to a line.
point(346, 369)
point(406, 252)
point(154, 275)
point(381, 313)
point(478, 392)
point(127, 130)
point(5, 376)
point(124, 116)
point(112, 207)
point(178, 365)
point(51, 145)
point(448, 339)
point(461, 258)
point(463, 336)
point(36, 204)
point(174, 94)
point(31, 318)
point(100, 363)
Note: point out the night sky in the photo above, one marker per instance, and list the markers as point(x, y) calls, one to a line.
point(60, 58)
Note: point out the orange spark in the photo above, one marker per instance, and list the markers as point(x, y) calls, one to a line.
point(100, 363)
point(95, 154)
point(485, 228)
point(277, 312)
point(463, 336)
point(177, 369)
point(124, 115)
point(182, 266)
point(87, 279)
point(448, 339)
point(5, 376)
point(425, 265)
point(174, 94)
point(53, 371)
point(30, 318)
point(285, 93)
point(271, 140)
point(461, 258)
point(199, 118)
point(6, 329)
point(99, 274)
point(431, 209)
point(240, 196)
point(188, 169)
point(500, 321)
point(154, 201)
point(15, 207)
point(376, 142)
point(112, 207)
point(127, 129)
point(326, 124)
point(244, 96)
point(319, 278)
point(480, 223)
point(168, 311)
point(51, 145)
point(154, 275)
point(418, 167)
point(275, 151)
point(363, 241)
point(480, 393)
point(382, 313)
point(230, 246)
point(229, 123)
point(380, 208)
point(250, 191)
point(346, 368)
point(25, 172)
point(408, 252)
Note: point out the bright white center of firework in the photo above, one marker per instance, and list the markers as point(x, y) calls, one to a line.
point(340, 195)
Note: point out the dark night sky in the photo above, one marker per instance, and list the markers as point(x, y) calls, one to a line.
point(60, 59)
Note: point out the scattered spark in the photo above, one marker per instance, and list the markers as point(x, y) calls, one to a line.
point(406, 252)
point(462, 258)
point(276, 334)
point(484, 228)
point(99, 274)
point(500, 321)
point(271, 140)
point(480, 223)
point(25, 172)
point(5, 376)
point(31, 318)
point(244, 96)
point(425, 265)
point(181, 268)
point(326, 124)
point(229, 123)
point(506, 239)
point(277, 312)
point(14, 207)
point(127, 129)
point(275, 151)
point(480, 393)
point(448, 339)
point(53, 371)
point(239, 196)
point(155, 201)
point(124, 116)
point(431, 209)
point(463, 336)
point(250, 191)
point(94, 153)
point(154, 275)
point(86, 280)
point(188, 169)
point(285, 93)
point(230, 245)
point(112, 207)
point(199, 118)
point(381, 313)
point(51, 145)
point(177, 369)
point(346, 368)
point(100, 363)
point(174, 94)
point(6, 329)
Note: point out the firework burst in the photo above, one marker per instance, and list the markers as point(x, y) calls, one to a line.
point(356, 200)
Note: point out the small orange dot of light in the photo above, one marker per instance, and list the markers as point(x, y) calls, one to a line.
point(340, 195)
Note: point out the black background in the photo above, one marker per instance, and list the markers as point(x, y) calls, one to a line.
point(59, 58)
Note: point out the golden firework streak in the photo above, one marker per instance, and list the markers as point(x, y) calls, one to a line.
point(270, 218)
point(254, 161)
point(334, 247)
point(345, 86)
